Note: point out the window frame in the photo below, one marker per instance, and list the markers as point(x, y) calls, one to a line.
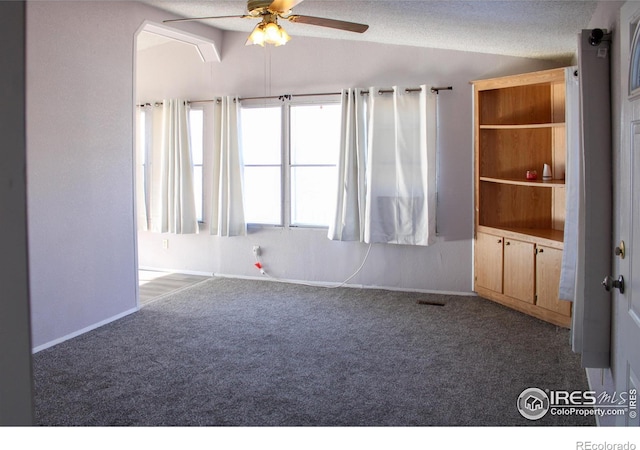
point(286, 154)
point(145, 145)
point(289, 150)
point(145, 149)
point(262, 104)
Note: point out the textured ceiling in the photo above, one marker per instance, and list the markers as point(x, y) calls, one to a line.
point(538, 29)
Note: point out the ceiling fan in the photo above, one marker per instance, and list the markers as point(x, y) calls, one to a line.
point(269, 11)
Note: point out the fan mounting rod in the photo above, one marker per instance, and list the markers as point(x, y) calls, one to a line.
point(259, 7)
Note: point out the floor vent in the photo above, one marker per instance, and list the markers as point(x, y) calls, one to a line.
point(429, 302)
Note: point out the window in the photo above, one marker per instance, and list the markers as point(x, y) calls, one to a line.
point(146, 145)
point(144, 158)
point(304, 193)
point(634, 66)
point(315, 141)
point(196, 133)
point(262, 157)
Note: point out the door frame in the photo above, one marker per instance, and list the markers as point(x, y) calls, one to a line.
point(616, 379)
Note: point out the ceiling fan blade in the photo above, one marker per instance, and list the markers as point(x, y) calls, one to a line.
point(283, 6)
point(330, 23)
point(188, 19)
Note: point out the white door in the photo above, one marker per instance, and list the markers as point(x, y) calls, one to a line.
point(625, 356)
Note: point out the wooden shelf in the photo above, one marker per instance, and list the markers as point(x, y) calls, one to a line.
point(521, 182)
point(544, 236)
point(543, 76)
point(519, 125)
point(522, 127)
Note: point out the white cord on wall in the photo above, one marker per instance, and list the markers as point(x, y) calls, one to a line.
point(265, 273)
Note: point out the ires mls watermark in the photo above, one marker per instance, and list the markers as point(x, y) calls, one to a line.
point(534, 403)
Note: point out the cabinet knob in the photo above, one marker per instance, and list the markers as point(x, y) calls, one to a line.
point(507, 243)
point(540, 250)
point(499, 241)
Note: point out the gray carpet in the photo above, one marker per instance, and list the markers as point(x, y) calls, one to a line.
point(254, 353)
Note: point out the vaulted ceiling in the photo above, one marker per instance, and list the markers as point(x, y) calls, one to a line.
point(529, 28)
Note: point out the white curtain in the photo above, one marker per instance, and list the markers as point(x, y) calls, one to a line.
point(227, 212)
point(348, 222)
point(387, 168)
point(177, 202)
point(144, 118)
point(573, 181)
point(572, 269)
point(401, 167)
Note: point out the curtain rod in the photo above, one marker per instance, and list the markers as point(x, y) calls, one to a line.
point(435, 90)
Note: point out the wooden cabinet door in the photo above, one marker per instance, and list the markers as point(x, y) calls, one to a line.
point(519, 270)
point(488, 261)
point(548, 263)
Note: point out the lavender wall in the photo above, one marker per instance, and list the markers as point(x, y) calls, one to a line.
point(80, 97)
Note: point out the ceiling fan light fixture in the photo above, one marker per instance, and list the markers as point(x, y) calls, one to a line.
point(284, 37)
point(258, 36)
point(272, 30)
point(269, 33)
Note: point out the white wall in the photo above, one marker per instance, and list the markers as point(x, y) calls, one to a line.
point(311, 65)
point(80, 97)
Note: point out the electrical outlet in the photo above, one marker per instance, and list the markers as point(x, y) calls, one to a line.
point(256, 250)
point(165, 243)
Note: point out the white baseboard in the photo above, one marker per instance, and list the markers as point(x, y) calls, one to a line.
point(334, 284)
point(82, 331)
point(601, 380)
point(181, 271)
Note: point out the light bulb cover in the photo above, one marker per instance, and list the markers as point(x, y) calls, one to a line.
point(258, 36)
point(272, 31)
point(269, 33)
point(284, 37)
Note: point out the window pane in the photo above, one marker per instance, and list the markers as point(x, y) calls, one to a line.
point(262, 195)
point(313, 195)
point(142, 137)
point(315, 134)
point(261, 130)
point(196, 125)
point(196, 136)
point(197, 188)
